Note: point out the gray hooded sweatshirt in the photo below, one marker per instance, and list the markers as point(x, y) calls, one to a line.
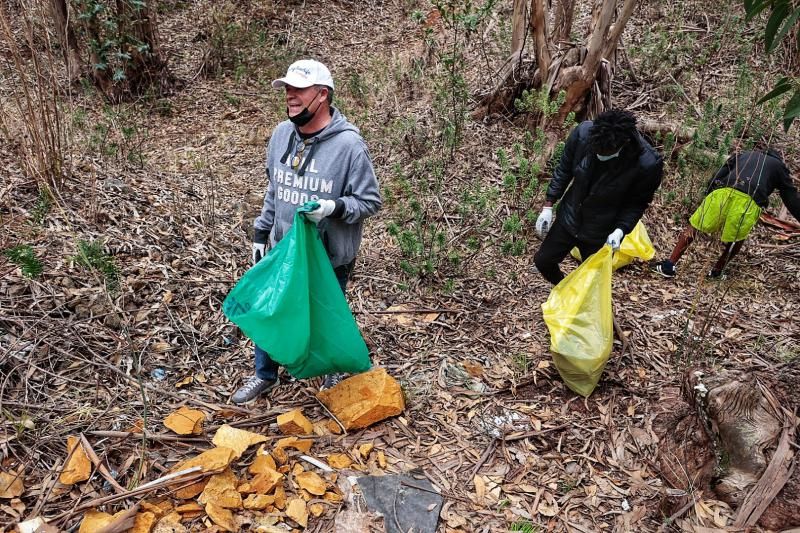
point(334, 165)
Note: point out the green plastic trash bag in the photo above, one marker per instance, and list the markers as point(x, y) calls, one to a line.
point(635, 245)
point(291, 305)
point(579, 317)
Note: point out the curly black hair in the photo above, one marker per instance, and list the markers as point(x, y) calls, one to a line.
point(611, 130)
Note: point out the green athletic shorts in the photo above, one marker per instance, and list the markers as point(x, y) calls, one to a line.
point(728, 209)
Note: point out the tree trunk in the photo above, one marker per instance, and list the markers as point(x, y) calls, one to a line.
point(147, 68)
point(586, 82)
point(562, 28)
point(119, 45)
point(518, 26)
point(730, 436)
point(540, 43)
point(66, 38)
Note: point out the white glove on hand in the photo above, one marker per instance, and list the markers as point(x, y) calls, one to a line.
point(259, 251)
point(325, 209)
point(544, 221)
point(615, 239)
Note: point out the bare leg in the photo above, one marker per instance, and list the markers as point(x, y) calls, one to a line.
point(730, 251)
point(686, 238)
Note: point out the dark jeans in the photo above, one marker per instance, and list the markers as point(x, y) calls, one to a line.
point(266, 368)
point(555, 247)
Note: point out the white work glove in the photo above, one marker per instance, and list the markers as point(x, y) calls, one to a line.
point(615, 239)
point(325, 209)
point(544, 221)
point(259, 251)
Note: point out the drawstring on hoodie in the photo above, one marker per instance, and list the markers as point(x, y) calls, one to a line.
point(285, 156)
point(306, 160)
point(313, 149)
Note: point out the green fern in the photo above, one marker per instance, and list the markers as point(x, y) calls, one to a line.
point(91, 256)
point(24, 257)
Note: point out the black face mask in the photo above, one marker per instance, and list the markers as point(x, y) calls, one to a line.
point(304, 116)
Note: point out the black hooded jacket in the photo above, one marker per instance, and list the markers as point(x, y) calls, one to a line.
point(758, 174)
point(599, 197)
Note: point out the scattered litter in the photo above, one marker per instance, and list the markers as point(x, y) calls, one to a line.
point(407, 504)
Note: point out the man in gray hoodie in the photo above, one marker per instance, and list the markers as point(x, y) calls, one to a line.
point(316, 155)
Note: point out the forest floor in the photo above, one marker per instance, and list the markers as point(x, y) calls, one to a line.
point(488, 420)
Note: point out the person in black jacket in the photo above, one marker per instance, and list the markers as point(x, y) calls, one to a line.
point(605, 180)
point(734, 199)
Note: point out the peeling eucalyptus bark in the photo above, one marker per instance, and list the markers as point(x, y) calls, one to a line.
point(720, 434)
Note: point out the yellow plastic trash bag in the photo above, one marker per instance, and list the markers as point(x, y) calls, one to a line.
point(635, 245)
point(578, 315)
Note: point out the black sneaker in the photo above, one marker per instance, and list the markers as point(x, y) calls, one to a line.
point(252, 389)
point(331, 380)
point(666, 268)
point(717, 275)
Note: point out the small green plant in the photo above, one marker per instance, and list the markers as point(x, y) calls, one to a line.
point(163, 107)
point(566, 485)
point(524, 526)
point(23, 256)
point(358, 88)
point(462, 19)
point(540, 102)
point(232, 99)
point(92, 257)
point(514, 243)
point(521, 363)
point(449, 286)
point(42, 206)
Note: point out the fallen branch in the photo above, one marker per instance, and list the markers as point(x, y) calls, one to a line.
point(680, 512)
point(99, 465)
point(777, 473)
point(485, 457)
point(190, 474)
point(148, 436)
point(680, 132)
point(339, 422)
point(404, 311)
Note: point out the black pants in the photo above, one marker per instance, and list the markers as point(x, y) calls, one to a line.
point(555, 247)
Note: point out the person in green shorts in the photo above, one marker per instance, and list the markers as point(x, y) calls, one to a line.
point(734, 199)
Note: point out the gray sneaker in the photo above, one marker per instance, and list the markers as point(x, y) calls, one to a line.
point(331, 380)
point(252, 389)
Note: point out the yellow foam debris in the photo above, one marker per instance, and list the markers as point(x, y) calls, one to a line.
point(294, 423)
point(297, 511)
point(210, 460)
point(364, 399)
point(186, 421)
point(258, 502)
point(221, 516)
point(311, 482)
point(339, 460)
point(237, 440)
point(262, 462)
point(221, 491)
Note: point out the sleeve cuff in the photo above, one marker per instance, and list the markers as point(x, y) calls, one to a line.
point(338, 211)
point(260, 236)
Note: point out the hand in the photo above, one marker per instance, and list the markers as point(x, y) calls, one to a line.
point(615, 239)
point(259, 251)
point(544, 221)
point(325, 208)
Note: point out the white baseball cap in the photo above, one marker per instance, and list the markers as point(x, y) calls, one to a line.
point(305, 73)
